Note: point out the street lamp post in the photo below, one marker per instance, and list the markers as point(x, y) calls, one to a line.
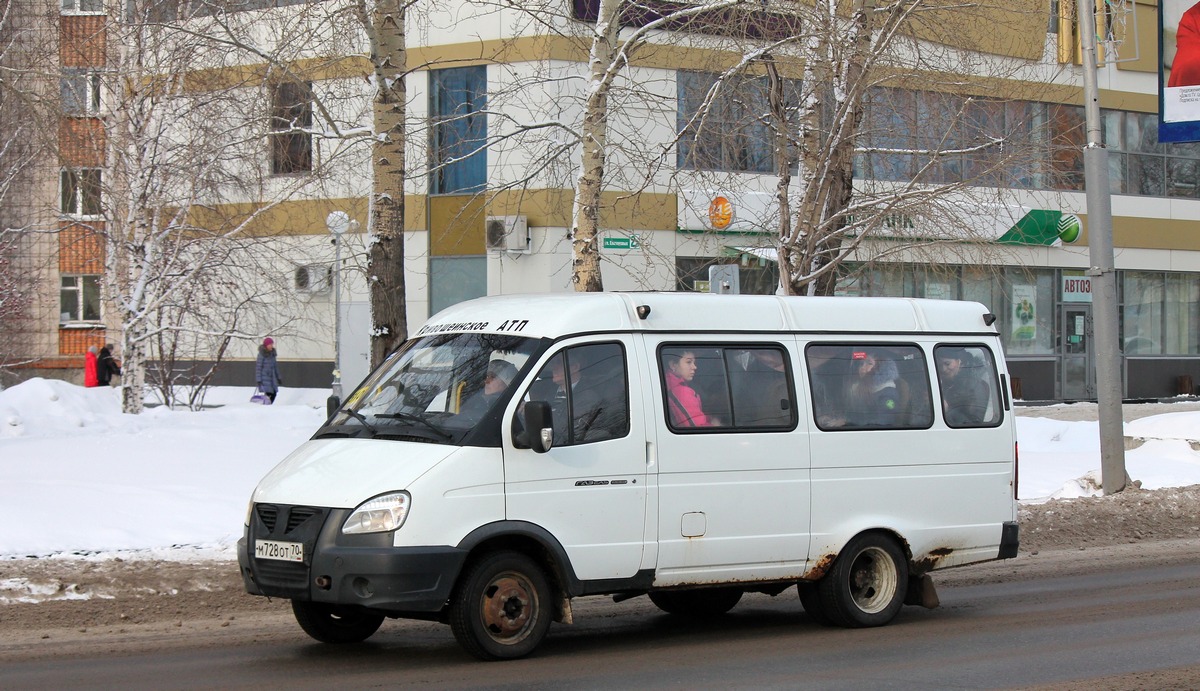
point(338, 222)
point(1102, 271)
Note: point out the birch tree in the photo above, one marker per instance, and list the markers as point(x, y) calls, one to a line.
point(188, 181)
point(610, 54)
point(385, 23)
point(20, 144)
point(852, 58)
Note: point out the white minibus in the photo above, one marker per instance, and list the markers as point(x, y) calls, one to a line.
point(521, 451)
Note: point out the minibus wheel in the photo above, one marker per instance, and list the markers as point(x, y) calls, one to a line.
point(810, 598)
point(501, 609)
point(701, 602)
point(332, 624)
point(867, 583)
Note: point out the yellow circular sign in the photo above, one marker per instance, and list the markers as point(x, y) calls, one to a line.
point(720, 213)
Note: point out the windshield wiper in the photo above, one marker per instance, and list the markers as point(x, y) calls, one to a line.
point(360, 417)
point(409, 417)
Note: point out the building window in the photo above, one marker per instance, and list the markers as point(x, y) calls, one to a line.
point(80, 91)
point(455, 279)
point(732, 134)
point(82, 6)
point(79, 190)
point(291, 128)
point(1182, 317)
point(79, 299)
point(458, 144)
point(950, 138)
point(1142, 316)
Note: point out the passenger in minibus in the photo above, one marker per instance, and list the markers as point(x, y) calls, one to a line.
point(964, 393)
point(683, 401)
point(828, 368)
point(873, 399)
point(761, 390)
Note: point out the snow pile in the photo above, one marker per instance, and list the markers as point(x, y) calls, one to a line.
point(79, 476)
point(79, 479)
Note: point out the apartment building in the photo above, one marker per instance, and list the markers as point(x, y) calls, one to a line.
point(496, 95)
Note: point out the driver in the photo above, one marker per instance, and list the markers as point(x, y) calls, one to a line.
point(500, 373)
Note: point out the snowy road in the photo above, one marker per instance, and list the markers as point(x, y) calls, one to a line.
point(1117, 617)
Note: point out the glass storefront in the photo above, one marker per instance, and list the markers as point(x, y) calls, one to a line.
point(1045, 320)
point(1044, 317)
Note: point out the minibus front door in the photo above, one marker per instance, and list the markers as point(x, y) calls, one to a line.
point(589, 490)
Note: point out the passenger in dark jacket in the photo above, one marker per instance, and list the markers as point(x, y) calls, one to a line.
point(873, 399)
point(266, 369)
point(107, 367)
point(964, 393)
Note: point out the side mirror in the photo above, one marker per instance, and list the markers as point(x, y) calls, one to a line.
point(539, 426)
point(331, 405)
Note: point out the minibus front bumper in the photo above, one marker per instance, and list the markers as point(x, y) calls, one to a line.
point(333, 568)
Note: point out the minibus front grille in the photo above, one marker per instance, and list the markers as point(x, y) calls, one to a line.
point(281, 578)
point(268, 514)
point(298, 515)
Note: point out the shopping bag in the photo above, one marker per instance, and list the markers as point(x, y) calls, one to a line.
point(260, 397)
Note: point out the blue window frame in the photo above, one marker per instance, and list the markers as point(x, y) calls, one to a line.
point(457, 98)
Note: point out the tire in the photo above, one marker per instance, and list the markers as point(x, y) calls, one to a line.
point(867, 583)
point(810, 598)
point(334, 624)
point(702, 602)
point(501, 609)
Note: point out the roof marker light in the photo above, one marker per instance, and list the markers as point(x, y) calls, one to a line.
point(643, 311)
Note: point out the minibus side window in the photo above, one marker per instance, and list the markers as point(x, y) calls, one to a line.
point(859, 386)
point(588, 391)
point(969, 386)
point(727, 388)
point(761, 382)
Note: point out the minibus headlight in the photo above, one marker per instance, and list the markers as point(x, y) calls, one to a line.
point(249, 512)
point(379, 515)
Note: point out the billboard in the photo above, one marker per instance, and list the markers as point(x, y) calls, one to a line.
point(1179, 76)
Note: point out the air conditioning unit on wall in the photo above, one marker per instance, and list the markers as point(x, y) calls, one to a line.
point(313, 278)
point(507, 234)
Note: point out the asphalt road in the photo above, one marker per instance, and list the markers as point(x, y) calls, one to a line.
point(1117, 617)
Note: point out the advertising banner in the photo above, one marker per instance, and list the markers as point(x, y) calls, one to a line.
point(1024, 317)
point(1179, 73)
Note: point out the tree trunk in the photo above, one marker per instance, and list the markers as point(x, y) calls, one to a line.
point(585, 265)
point(133, 371)
point(827, 163)
point(389, 311)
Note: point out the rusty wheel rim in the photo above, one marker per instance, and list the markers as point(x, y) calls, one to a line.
point(873, 580)
point(509, 608)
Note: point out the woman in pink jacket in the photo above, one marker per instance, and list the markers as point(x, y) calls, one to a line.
point(682, 399)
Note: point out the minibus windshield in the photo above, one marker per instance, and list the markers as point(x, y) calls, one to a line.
point(437, 388)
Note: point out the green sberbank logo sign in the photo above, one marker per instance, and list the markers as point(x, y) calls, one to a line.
point(1043, 227)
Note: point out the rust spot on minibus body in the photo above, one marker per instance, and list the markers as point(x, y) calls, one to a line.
point(931, 559)
point(820, 568)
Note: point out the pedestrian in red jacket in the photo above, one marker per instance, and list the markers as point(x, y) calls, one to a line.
point(89, 368)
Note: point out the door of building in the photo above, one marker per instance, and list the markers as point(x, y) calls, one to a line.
point(1075, 344)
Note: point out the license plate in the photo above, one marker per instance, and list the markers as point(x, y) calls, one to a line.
point(283, 551)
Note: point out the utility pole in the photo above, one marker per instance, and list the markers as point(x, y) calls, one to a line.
point(1102, 271)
